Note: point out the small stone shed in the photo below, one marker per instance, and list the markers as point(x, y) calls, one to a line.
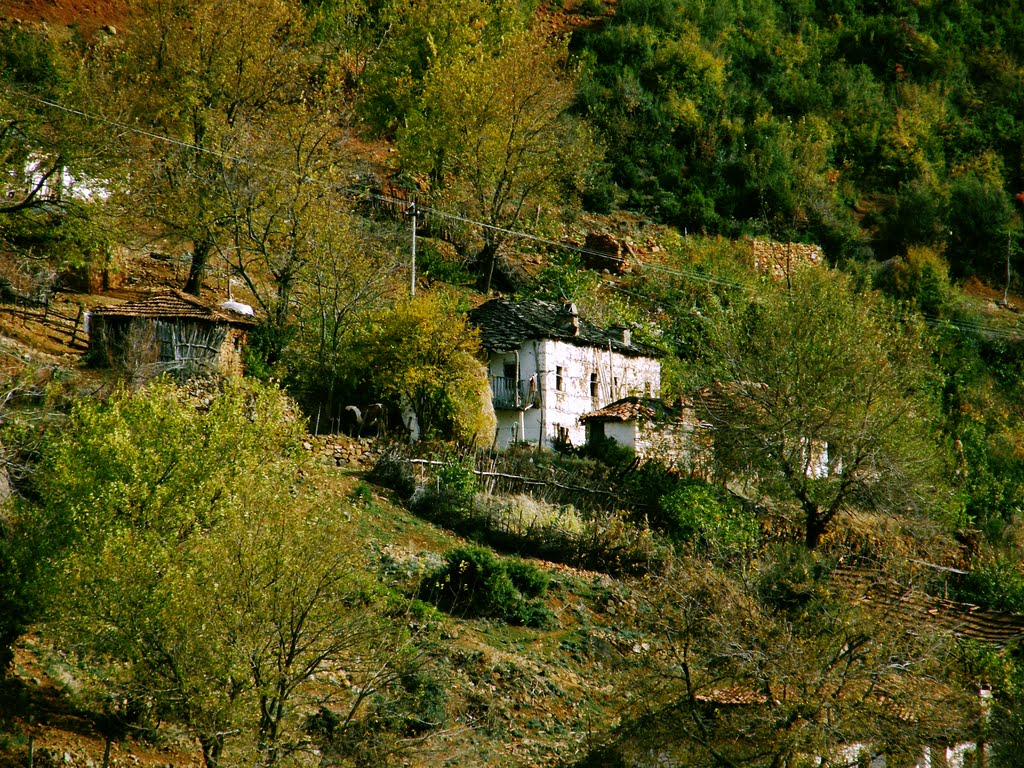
point(170, 331)
point(669, 432)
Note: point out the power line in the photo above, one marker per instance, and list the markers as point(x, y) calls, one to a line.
point(360, 194)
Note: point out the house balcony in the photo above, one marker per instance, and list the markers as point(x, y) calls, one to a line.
point(513, 394)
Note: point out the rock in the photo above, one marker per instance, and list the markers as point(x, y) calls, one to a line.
point(307, 446)
point(603, 252)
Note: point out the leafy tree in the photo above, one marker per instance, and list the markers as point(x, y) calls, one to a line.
point(423, 356)
point(401, 43)
point(191, 569)
point(497, 153)
point(153, 461)
point(309, 261)
point(980, 217)
point(825, 399)
point(52, 161)
point(351, 271)
point(734, 679)
point(204, 73)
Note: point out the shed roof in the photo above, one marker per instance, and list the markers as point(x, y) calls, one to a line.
point(631, 409)
point(917, 608)
point(505, 325)
point(636, 408)
point(174, 305)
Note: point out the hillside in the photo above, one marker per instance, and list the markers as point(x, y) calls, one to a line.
point(626, 384)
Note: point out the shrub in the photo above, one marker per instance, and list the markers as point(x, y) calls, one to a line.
point(527, 578)
point(474, 583)
point(997, 584)
point(644, 488)
point(792, 580)
point(449, 495)
point(607, 451)
point(427, 702)
point(696, 514)
point(921, 276)
point(394, 472)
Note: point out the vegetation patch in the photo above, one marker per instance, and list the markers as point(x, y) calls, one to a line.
point(474, 583)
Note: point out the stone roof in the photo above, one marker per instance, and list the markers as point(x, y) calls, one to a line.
point(917, 608)
point(173, 305)
point(505, 325)
point(637, 409)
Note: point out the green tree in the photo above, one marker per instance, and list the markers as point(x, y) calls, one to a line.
point(735, 677)
point(154, 461)
point(980, 220)
point(204, 74)
point(423, 356)
point(198, 575)
point(291, 238)
point(398, 44)
point(53, 163)
point(825, 399)
point(351, 272)
point(495, 154)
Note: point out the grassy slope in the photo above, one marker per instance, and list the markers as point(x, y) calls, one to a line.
point(517, 696)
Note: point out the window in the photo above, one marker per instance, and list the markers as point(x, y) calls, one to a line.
point(559, 381)
point(510, 370)
point(594, 386)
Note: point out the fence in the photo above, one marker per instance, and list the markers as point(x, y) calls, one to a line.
point(70, 327)
point(511, 474)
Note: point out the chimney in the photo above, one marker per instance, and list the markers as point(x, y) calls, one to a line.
point(573, 314)
point(623, 333)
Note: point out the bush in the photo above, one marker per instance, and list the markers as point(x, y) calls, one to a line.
point(607, 451)
point(792, 581)
point(474, 583)
point(394, 472)
point(263, 350)
point(921, 276)
point(449, 495)
point(527, 578)
point(644, 488)
point(696, 514)
point(997, 584)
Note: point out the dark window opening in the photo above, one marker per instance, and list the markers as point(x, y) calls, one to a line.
point(559, 382)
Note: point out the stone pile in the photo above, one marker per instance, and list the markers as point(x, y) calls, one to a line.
point(343, 451)
point(780, 259)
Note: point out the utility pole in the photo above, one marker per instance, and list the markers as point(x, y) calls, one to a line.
point(1006, 290)
point(412, 279)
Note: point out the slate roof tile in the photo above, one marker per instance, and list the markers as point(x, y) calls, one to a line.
point(505, 325)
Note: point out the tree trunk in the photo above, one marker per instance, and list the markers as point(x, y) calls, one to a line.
point(212, 748)
point(485, 261)
point(201, 250)
point(814, 529)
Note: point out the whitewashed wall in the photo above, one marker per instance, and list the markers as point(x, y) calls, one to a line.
point(615, 376)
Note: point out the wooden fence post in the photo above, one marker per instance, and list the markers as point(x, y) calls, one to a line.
point(74, 330)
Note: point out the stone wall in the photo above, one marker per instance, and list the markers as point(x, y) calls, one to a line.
point(231, 360)
point(778, 258)
point(344, 451)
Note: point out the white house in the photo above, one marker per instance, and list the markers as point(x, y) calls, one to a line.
point(548, 366)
